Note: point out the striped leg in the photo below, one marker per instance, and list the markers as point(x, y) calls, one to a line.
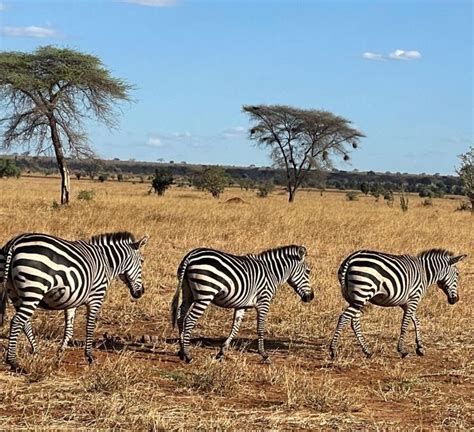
point(69, 315)
point(409, 311)
point(182, 312)
point(355, 323)
point(420, 350)
point(346, 316)
point(262, 311)
point(92, 310)
point(194, 312)
point(238, 316)
point(30, 336)
point(18, 322)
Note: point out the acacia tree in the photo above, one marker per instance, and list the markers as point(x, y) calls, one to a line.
point(301, 140)
point(466, 172)
point(47, 95)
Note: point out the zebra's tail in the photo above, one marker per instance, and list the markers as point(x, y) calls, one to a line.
point(3, 286)
point(179, 291)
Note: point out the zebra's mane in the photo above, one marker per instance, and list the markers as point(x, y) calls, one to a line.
point(292, 248)
point(442, 252)
point(110, 238)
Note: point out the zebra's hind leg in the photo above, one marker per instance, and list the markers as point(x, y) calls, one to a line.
point(344, 318)
point(18, 322)
point(420, 350)
point(409, 311)
point(182, 312)
point(28, 330)
point(195, 311)
point(355, 323)
point(238, 316)
point(92, 310)
point(69, 316)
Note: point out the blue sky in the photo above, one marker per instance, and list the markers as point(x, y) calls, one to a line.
point(400, 70)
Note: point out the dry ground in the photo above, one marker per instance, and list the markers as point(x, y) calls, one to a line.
point(138, 383)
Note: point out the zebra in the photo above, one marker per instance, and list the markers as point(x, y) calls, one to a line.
point(52, 273)
point(393, 280)
point(238, 282)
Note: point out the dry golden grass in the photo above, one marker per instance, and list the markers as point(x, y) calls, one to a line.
point(138, 383)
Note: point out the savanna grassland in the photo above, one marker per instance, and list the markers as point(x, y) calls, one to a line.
point(138, 383)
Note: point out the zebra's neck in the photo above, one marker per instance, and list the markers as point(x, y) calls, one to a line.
point(432, 267)
point(112, 267)
point(278, 264)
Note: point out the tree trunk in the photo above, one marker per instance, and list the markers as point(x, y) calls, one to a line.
point(63, 170)
point(291, 194)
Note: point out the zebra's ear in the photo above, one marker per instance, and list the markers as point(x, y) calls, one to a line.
point(140, 243)
point(456, 259)
point(302, 252)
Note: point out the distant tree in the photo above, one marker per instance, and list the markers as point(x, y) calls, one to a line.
point(47, 96)
point(103, 177)
point(466, 173)
point(301, 140)
point(365, 188)
point(246, 183)
point(376, 190)
point(214, 180)
point(120, 177)
point(161, 181)
point(264, 189)
point(78, 175)
point(8, 168)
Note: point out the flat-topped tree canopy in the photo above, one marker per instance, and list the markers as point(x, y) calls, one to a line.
point(301, 140)
point(47, 95)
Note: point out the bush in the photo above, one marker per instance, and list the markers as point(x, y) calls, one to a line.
point(263, 189)
point(427, 202)
point(388, 197)
point(352, 196)
point(464, 206)
point(102, 177)
point(85, 195)
point(214, 180)
point(161, 181)
point(120, 177)
point(8, 168)
point(403, 201)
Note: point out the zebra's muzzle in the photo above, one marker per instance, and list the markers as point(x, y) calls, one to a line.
point(137, 293)
point(307, 297)
point(453, 300)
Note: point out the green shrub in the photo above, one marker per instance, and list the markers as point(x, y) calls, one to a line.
point(8, 168)
point(86, 195)
point(352, 196)
point(263, 189)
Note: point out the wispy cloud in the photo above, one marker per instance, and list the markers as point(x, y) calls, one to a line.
point(152, 3)
point(154, 141)
point(234, 132)
point(2, 6)
point(398, 54)
point(30, 31)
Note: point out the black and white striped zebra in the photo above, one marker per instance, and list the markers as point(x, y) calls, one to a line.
point(52, 273)
point(393, 280)
point(237, 282)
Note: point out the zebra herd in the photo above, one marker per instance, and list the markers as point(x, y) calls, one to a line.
point(40, 270)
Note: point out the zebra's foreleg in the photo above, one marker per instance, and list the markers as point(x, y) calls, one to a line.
point(262, 311)
point(344, 318)
point(355, 323)
point(92, 310)
point(69, 316)
point(195, 311)
point(28, 330)
point(420, 350)
point(409, 311)
point(238, 316)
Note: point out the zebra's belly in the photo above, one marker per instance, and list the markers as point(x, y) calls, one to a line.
point(232, 300)
point(63, 298)
point(382, 300)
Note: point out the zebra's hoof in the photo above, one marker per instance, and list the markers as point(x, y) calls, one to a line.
point(403, 354)
point(180, 354)
point(188, 359)
point(369, 354)
point(220, 356)
point(90, 359)
point(15, 368)
point(420, 351)
point(266, 360)
point(332, 354)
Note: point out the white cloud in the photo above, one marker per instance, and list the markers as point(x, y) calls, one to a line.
point(30, 31)
point(154, 141)
point(2, 6)
point(400, 54)
point(181, 135)
point(372, 56)
point(152, 3)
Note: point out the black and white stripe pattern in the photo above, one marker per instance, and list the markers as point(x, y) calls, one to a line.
point(238, 282)
point(393, 280)
point(52, 273)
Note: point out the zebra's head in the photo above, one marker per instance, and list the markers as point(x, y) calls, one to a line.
point(299, 276)
point(447, 278)
point(131, 270)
